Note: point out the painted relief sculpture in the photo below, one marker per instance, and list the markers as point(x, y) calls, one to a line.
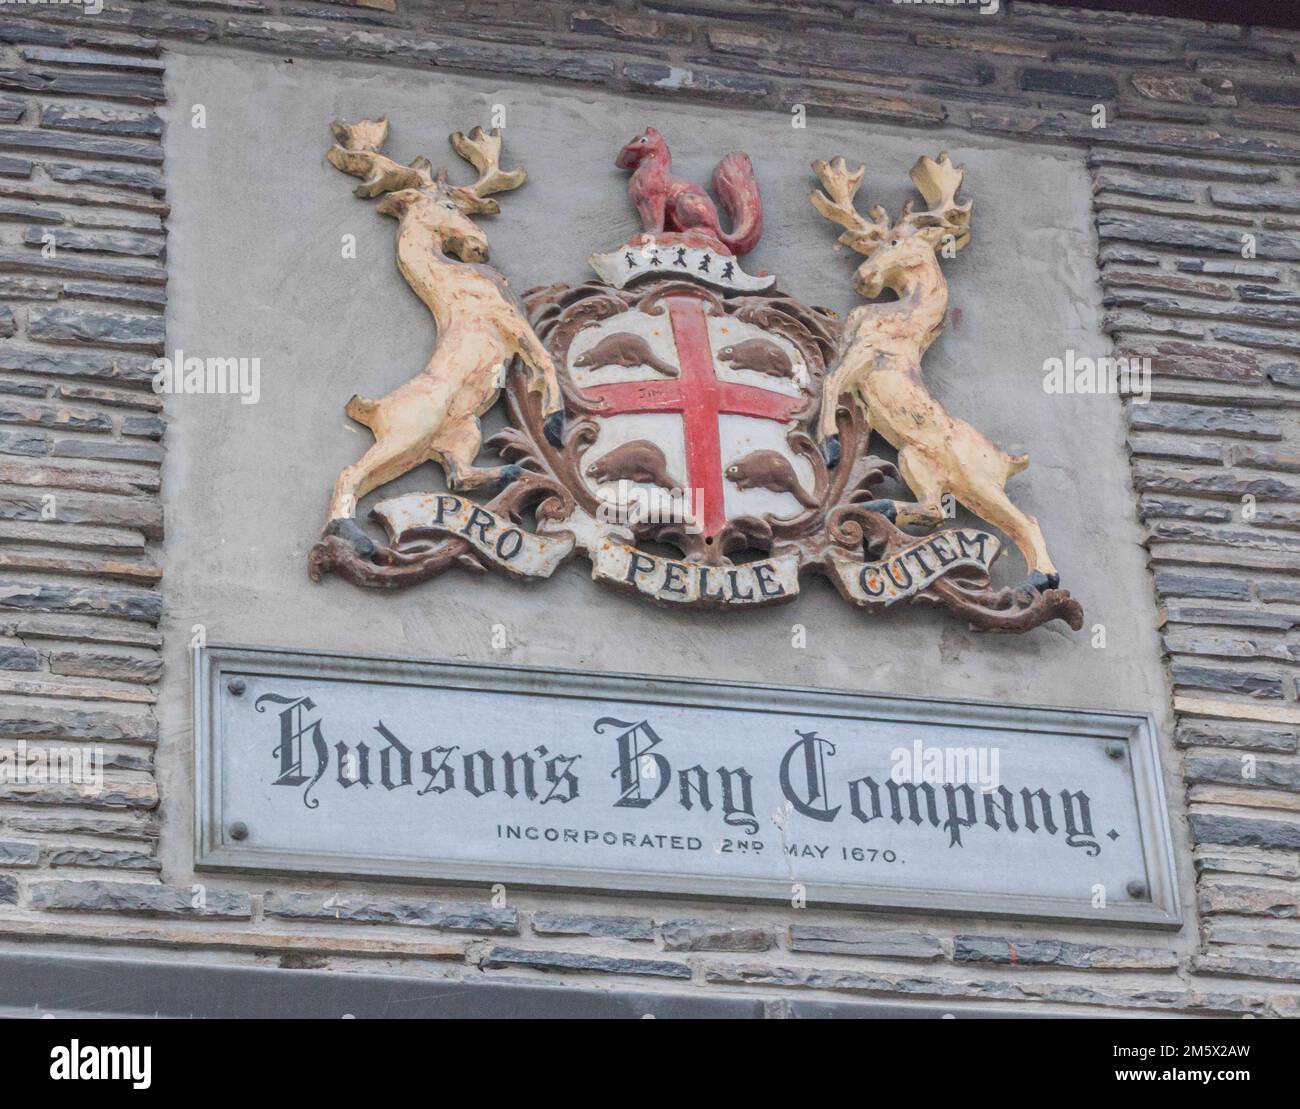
point(668, 203)
point(880, 358)
point(680, 403)
point(442, 254)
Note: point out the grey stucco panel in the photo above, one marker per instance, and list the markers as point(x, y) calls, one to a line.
point(257, 270)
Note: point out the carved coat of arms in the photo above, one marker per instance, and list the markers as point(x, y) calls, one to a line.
point(700, 436)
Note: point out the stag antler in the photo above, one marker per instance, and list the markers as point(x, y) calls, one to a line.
point(938, 182)
point(482, 149)
point(861, 234)
point(357, 152)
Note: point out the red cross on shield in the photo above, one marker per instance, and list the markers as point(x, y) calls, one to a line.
point(701, 398)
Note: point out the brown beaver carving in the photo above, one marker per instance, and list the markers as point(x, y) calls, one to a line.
point(640, 461)
point(623, 349)
point(760, 355)
point(769, 470)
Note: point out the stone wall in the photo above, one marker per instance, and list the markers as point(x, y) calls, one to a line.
point(1198, 217)
point(82, 291)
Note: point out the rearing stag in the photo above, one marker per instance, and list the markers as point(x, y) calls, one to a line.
point(880, 358)
point(481, 324)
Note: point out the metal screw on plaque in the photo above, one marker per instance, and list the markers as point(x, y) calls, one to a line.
point(1136, 890)
point(239, 830)
point(236, 686)
point(1115, 750)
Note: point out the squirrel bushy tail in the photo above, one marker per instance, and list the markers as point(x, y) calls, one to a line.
point(737, 188)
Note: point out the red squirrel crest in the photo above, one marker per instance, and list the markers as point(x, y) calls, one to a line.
point(670, 203)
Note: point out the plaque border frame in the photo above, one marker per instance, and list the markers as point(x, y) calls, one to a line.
point(214, 850)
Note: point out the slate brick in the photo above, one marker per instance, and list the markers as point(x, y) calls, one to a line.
point(1187, 642)
point(704, 935)
point(74, 508)
point(1061, 82)
point(1185, 234)
point(1286, 591)
point(132, 604)
point(878, 943)
point(112, 795)
point(1230, 269)
point(1251, 684)
point(132, 826)
point(1014, 951)
point(19, 658)
point(1243, 831)
point(1267, 338)
point(104, 242)
point(117, 177)
point(1158, 85)
point(1248, 966)
point(1263, 458)
point(148, 427)
point(102, 858)
point(31, 213)
point(363, 909)
point(106, 664)
point(629, 27)
point(1149, 476)
point(503, 957)
point(1202, 419)
point(80, 266)
point(842, 54)
point(1077, 127)
point(97, 59)
point(1255, 198)
point(101, 119)
point(18, 854)
point(920, 111)
point(25, 443)
point(1150, 507)
point(107, 451)
point(54, 415)
point(1197, 169)
point(55, 142)
point(1246, 860)
point(138, 899)
point(112, 366)
point(1242, 617)
point(1273, 95)
point(1263, 773)
point(1175, 449)
point(28, 32)
point(135, 88)
point(68, 721)
point(62, 324)
point(640, 929)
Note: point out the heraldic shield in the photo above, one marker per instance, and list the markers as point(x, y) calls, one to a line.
point(700, 436)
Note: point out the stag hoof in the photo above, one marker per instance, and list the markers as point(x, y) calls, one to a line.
point(1043, 582)
point(887, 509)
point(554, 429)
point(831, 449)
point(347, 528)
point(510, 473)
